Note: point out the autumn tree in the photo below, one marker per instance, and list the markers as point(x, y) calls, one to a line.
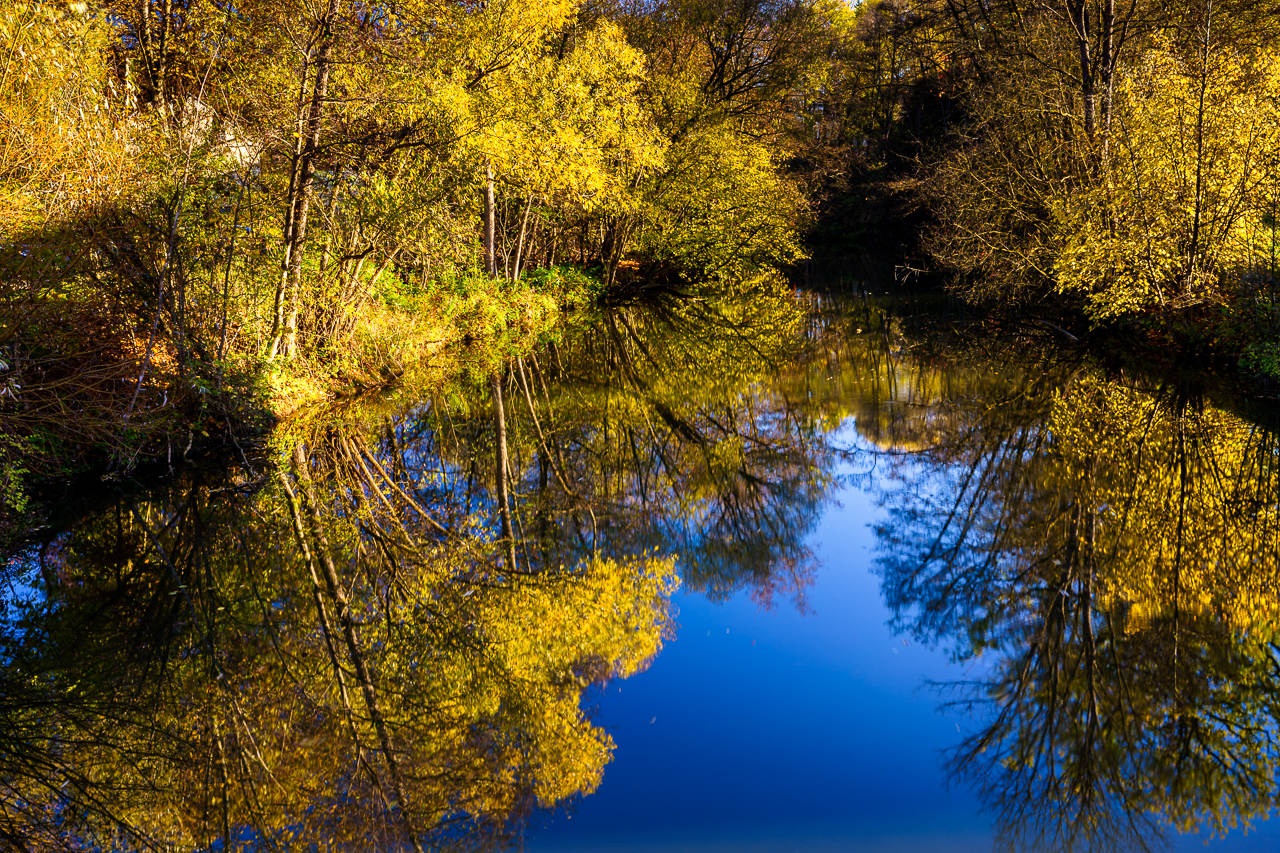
point(1117, 154)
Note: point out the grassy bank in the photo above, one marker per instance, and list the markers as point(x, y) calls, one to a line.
point(472, 319)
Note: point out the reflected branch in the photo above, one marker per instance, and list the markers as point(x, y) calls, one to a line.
point(1089, 543)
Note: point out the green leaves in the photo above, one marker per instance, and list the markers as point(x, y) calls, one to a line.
point(720, 211)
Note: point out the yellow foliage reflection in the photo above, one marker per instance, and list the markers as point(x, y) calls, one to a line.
point(1185, 504)
point(1109, 547)
point(308, 660)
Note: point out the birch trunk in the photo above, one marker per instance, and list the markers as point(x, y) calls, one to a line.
point(490, 226)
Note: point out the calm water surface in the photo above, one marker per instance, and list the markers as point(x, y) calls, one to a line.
point(765, 581)
point(780, 729)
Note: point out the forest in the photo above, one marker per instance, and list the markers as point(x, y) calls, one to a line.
point(214, 214)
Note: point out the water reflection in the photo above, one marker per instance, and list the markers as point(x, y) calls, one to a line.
point(309, 660)
point(379, 633)
point(1104, 555)
point(678, 429)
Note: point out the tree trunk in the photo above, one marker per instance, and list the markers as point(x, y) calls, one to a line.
point(146, 41)
point(1199, 200)
point(285, 340)
point(290, 211)
point(226, 280)
point(490, 226)
point(524, 224)
point(500, 471)
point(617, 232)
point(1106, 63)
point(166, 11)
point(1080, 20)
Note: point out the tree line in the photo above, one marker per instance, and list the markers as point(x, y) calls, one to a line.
point(1114, 158)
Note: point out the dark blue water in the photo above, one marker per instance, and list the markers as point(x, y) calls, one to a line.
point(793, 729)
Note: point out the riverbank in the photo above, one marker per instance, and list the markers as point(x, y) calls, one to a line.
point(469, 322)
point(162, 406)
point(1233, 346)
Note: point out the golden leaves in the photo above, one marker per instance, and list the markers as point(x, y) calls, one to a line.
point(1179, 505)
point(1188, 182)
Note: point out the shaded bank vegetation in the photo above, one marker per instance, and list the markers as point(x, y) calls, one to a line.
point(1097, 163)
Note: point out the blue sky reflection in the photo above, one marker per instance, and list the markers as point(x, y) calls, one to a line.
point(776, 730)
point(771, 730)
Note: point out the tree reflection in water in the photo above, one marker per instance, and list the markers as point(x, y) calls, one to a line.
point(380, 634)
point(1105, 558)
point(673, 428)
point(346, 644)
point(311, 661)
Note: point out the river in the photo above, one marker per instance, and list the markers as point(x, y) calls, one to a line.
point(771, 576)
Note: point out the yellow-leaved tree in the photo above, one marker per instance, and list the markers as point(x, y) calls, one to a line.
point(1188, 198)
